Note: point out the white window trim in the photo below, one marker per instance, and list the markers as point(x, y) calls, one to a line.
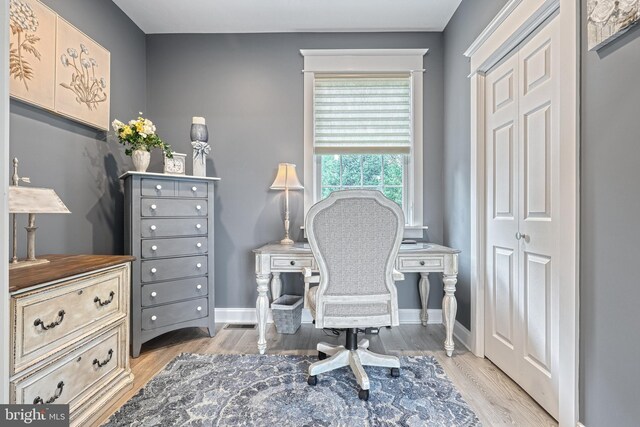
point(368, 61)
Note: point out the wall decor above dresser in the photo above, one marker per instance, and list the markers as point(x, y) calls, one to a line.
point(169, 230)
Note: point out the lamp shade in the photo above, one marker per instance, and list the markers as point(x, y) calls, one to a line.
point(32, 200)
point(287, 179)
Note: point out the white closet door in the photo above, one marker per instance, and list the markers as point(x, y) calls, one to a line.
point(523, 187)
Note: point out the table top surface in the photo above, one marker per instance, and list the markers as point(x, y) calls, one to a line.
point(302, 248)
point(167, 175)
point(60, 267)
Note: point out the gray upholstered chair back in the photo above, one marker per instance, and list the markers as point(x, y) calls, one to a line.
point(355, 236)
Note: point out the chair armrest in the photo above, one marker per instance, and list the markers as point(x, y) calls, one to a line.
point(309, 277)
point(397, 276)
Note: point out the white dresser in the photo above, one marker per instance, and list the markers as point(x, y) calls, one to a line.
point(70, 333)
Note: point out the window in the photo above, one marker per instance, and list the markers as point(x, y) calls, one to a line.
point(363, 125)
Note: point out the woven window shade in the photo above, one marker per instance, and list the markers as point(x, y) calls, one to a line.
point(362, 114)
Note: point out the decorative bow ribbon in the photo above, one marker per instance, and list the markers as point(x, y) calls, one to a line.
point(201, 149)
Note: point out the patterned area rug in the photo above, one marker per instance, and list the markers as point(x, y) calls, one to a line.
point(272, 390)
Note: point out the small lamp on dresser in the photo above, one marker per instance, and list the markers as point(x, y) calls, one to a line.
point(287, 179)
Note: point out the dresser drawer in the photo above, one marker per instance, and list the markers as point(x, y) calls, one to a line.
point(156, 248)
point(170, 314)
point(292, 263)
point(46, 320)
point(173, 268)
point(417, 263)
point(158, 227)
point(192, 189)
point(157, 188)
point(173, 207)
point(175, 290)
point(80, 373)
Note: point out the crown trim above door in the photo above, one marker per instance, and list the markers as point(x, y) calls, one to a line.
point(513, 24)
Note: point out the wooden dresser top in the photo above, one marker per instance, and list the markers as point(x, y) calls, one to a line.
point(60, 267)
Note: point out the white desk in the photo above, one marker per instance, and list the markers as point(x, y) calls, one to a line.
point(424, 258)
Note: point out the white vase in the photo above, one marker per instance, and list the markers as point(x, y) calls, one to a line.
point(141, 159)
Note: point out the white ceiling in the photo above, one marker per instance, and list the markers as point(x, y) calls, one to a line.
point(269, 16)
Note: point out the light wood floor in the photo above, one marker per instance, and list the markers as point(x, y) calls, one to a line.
point(496, 399)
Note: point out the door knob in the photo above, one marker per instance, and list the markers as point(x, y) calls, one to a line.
point(520, 236)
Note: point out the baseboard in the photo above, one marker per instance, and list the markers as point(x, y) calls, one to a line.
point(463, 334)
point(408, 316)
point(580, 424)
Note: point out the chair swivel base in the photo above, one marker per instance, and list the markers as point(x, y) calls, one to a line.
point(357, 359)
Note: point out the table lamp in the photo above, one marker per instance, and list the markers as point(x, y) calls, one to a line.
point(286, 180)
point(29, 200)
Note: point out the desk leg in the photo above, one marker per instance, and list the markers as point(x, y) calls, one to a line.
point(262, 309)
point(424, 286)
point(276, 286)
point(449, 309)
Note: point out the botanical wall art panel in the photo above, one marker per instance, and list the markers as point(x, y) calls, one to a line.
point(609, 19)
point(32, 32)
point(82, 77)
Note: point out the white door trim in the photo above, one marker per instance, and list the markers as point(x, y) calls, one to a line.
point(4, 208)
point(517, 20)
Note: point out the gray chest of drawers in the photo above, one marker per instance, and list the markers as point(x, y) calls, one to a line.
point(169, 229)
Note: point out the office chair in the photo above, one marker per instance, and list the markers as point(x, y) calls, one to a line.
point(355, 236)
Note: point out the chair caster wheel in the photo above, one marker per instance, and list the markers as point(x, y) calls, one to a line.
point(395, 372)
point(322, 355)
point(363, 395)
point(312, 380)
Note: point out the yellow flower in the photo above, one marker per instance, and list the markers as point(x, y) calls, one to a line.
point(139, 127)
point(126, 131)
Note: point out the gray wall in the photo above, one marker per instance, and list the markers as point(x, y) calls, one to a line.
point(250, 89)
point(74, 159)
point(467, 23)
point(609, 237)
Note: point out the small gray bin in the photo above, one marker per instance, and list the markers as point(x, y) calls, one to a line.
point(287, 313)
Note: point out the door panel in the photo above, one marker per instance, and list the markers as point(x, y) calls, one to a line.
point(504, 295)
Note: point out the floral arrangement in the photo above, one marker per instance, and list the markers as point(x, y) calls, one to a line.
point(140, 134)
point(24, 24)
point(89, 89)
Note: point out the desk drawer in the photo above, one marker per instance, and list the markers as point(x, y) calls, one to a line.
point(176, 290)
point(157, 188)
point(159, 227)
point(173, 207)
point(173, 268)
point(420, 263)
point(192, 189)
point(282, 263)
point(78, 374)
point(170, 314)
point(49, 319)
point(156, 248)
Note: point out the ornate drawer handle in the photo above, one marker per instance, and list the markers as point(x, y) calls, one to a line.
point(105, 302)
point(38, 400)
point(292, 263)
point(421, 262)
point(105, 361)
point(51, 325)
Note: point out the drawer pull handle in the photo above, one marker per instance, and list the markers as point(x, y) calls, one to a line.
point(158, 187)
point(292, 263)
point(199, 308)
point(105, 361)
point(198, 265)
point(153, 270)
point(154, 317)
point(198, 245)
point(153, 207)
point(38, 400)
point(198, 226)
point(421, 262)
point(153, 228)
point(154, 248)
point(105, 302)
point(194, 189)
point(199, 287)
point(154, 294)
point(198, 207)
point(51, 325)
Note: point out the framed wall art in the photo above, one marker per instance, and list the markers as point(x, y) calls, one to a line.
point(609, 19)
point(55, 66)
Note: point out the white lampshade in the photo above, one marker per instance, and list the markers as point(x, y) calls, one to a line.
point(32, 200)
point(287, 179)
